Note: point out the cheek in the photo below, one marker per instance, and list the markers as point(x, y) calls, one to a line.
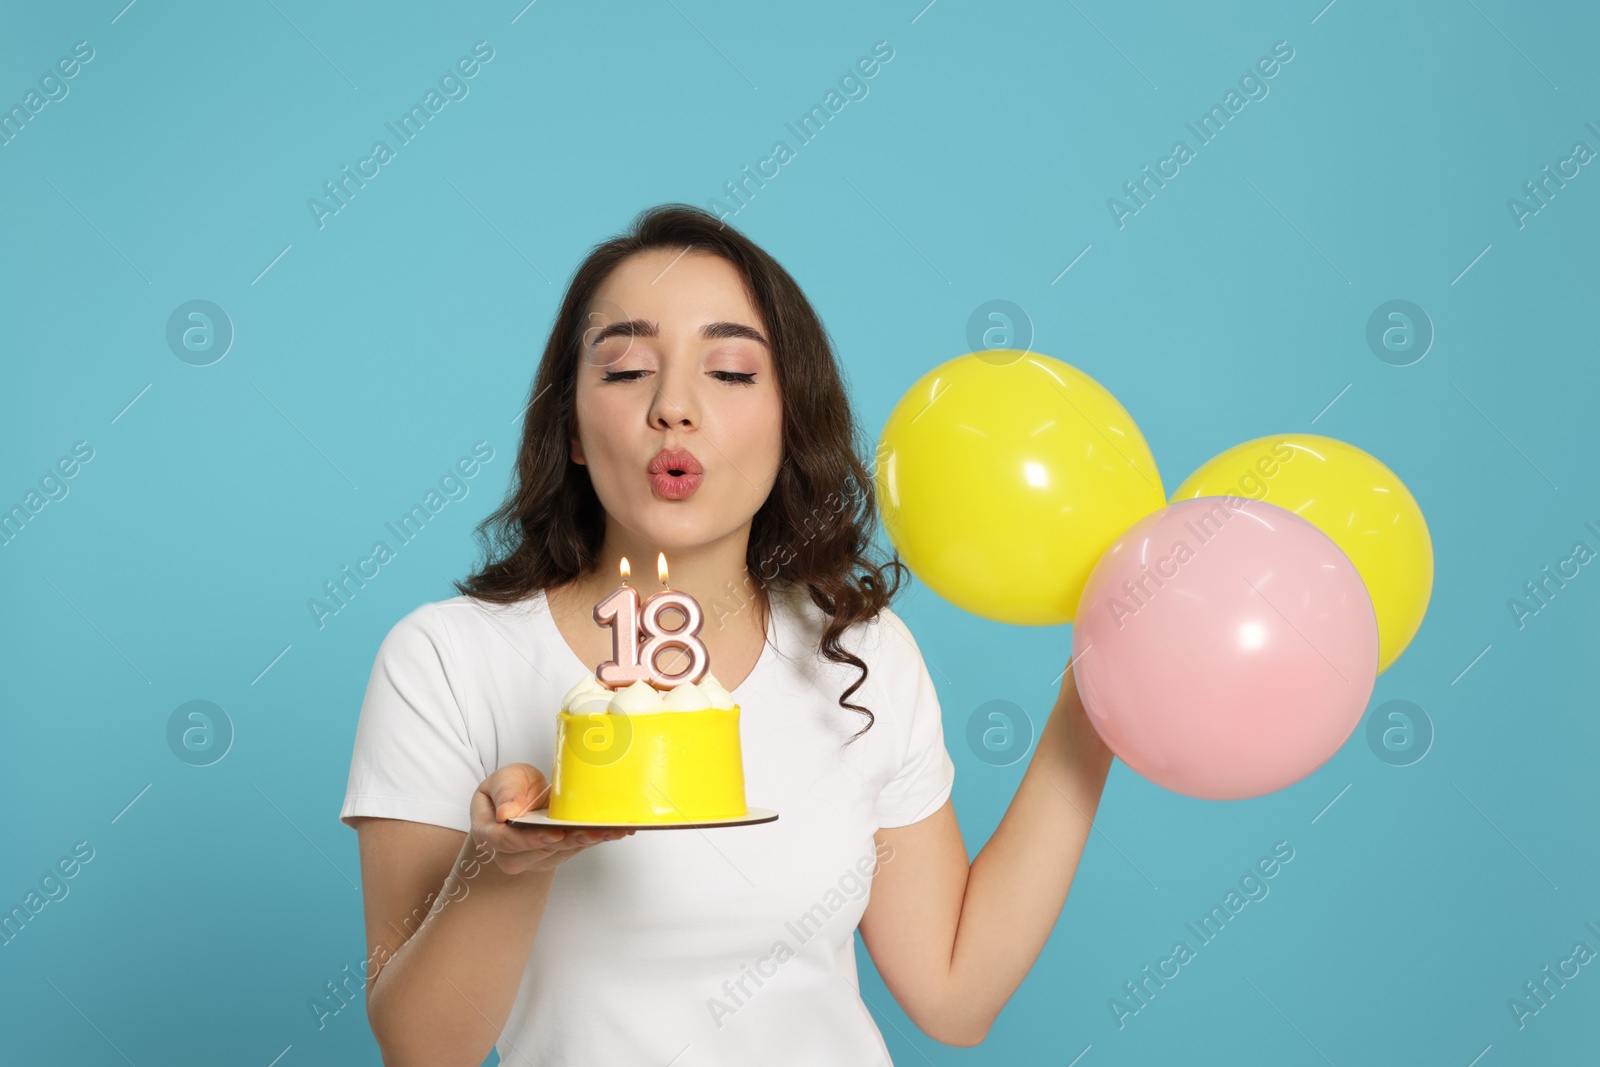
point(758, 429)
point(600, 417)
point(608, 453)
point(757, 433)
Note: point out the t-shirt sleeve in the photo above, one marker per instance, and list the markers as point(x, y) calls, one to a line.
point(925, 773)
point(413, 757)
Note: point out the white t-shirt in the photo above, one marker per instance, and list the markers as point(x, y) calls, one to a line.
point(695, 947)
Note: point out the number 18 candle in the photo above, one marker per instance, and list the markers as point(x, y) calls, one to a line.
point(633, 653)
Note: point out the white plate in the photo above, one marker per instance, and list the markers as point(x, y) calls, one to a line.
point(541, 817)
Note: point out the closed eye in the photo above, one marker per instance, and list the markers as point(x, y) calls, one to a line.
point(729, 376)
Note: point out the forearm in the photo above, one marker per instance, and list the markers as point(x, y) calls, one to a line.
point(445, 995)
point(1018, 883)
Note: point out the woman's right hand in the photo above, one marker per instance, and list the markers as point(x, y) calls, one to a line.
point(513, 790)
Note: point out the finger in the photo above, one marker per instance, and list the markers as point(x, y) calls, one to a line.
point(505, 837)
point(520, 799)
point(515, 789)
point(569, 840)
point(482, 813)
point(576, 839)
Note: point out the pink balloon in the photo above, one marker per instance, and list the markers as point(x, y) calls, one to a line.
point(1224, 648)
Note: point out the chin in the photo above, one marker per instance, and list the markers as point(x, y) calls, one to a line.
point(672, 524)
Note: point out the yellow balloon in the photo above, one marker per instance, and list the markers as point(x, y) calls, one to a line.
point(1353, 498)
point(1002, 476)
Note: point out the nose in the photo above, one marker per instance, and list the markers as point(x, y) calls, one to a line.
point(673, 411)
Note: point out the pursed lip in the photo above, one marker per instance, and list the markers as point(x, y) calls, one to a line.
point(676, 487)
point(675, 459)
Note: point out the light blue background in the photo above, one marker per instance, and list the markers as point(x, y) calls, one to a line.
point(376, 350)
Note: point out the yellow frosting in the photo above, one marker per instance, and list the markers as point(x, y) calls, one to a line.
point(660, 766)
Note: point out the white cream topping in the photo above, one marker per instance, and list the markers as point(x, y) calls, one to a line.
point(587, 687)
point(685, 697)
point(637, 698)
point(591, 705)
point(590, 697)
point(716, 696)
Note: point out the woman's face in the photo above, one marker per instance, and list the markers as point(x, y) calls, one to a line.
point(694, 373)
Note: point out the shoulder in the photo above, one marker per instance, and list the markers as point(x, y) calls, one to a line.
point(423, 641)
point(893, 634)
point(881, 641)
point(457, 618)
point(425, 621)
point(419, 638)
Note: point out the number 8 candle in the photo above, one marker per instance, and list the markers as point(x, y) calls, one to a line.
point(633, 656)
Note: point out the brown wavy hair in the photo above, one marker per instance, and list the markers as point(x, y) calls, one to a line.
point(815, 528)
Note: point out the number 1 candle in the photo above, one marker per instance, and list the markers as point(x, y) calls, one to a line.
point(620, 611)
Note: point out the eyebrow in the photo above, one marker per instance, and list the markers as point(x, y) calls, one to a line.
point(711, 331)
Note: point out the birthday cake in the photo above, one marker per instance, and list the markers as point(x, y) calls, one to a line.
point(638, 755)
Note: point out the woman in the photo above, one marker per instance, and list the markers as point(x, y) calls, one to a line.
point(688, 402)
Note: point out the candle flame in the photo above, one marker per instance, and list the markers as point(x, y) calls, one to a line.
point(624, 569)
point(661, 567)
